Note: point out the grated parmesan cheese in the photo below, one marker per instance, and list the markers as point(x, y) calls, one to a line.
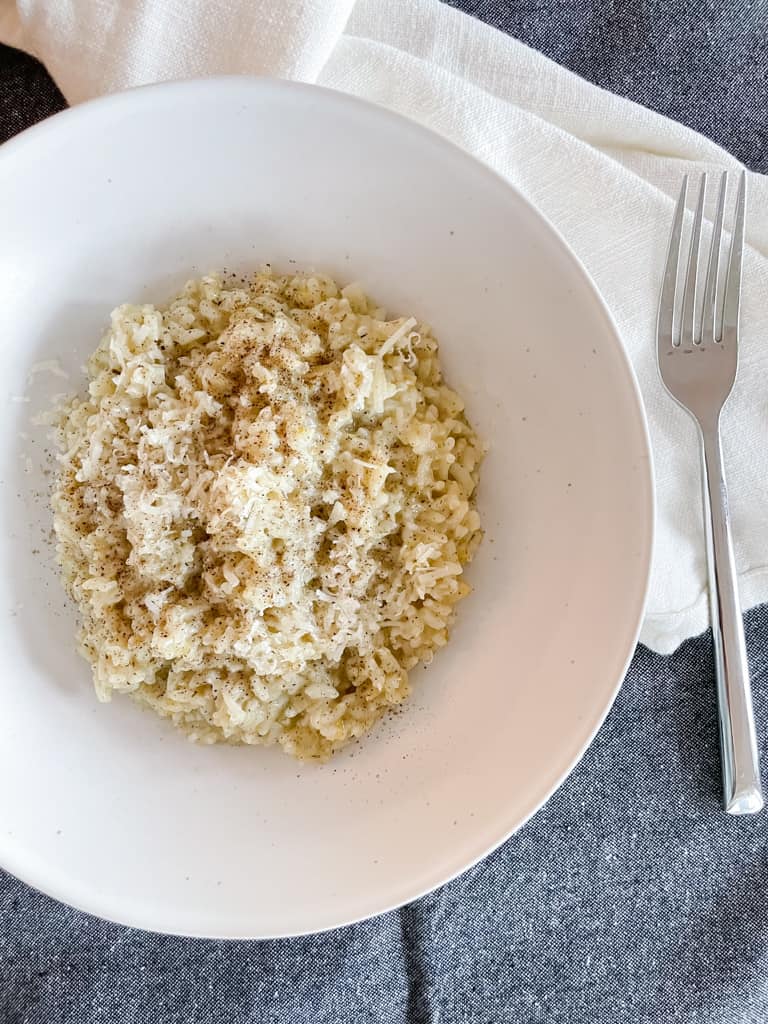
point(264, 507)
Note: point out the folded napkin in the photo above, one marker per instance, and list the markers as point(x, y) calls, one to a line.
point(605, 171)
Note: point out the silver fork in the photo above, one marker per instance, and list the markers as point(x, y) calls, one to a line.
point(698, 367)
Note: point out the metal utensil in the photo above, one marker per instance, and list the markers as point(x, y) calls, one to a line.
point(698, 366)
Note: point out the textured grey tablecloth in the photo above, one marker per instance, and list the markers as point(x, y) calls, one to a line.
point(630, 897)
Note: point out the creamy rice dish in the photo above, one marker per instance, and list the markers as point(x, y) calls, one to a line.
point(264, 507)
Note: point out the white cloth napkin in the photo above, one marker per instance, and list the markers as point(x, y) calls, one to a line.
point(602, 169)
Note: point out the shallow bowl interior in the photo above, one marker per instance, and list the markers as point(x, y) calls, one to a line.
point(111, 810)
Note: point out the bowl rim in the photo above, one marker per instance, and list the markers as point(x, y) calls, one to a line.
point(68, 890)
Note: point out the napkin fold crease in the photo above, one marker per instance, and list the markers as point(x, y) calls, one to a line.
point(604, 170)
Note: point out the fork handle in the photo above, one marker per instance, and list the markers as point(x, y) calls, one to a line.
point(738, 743)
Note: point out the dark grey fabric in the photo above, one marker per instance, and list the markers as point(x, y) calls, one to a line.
point(630, 897)
point(27, 93)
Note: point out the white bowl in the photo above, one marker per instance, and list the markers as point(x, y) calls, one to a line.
point(110, 809)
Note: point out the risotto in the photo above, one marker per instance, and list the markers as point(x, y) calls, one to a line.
point(264, 506)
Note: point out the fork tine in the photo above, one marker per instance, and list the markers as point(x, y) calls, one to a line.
point(688, 325)
point(732, 297)
point(666, 323)
point(713, 267)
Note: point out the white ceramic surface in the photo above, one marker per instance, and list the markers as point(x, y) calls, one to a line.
point(110, 809)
